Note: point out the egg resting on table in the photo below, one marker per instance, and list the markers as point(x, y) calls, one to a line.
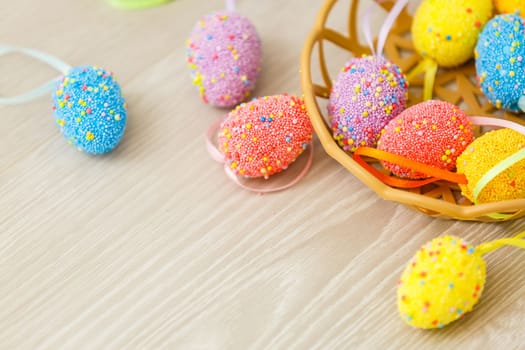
point(368, 93)
point(447, 30)
point(89, 109)
point(441, 283)
point(500, 61)
point(431, 132)
point(262, 137)
point(484, 153)
point(224, 55)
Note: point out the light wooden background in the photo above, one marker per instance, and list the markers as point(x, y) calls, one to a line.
point(152, 247)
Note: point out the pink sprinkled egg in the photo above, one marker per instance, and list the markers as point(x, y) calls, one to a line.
point(262, 137)
point(368, 93)
point(224, 55)
point(432, 132)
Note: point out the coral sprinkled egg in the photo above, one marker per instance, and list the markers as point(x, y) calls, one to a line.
point(262, 137)
point(441, 283)
point(510, 6)
point(500, 61)
point(367, 94)
point(224, 55)
point(482, 155)
point(89, 109)
point(432, 132)
point(447, 30)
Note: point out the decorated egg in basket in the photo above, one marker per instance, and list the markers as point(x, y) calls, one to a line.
point(500, 62)
point(368, 93)
point(432, 132)
point(446, 31)
point(484, 154)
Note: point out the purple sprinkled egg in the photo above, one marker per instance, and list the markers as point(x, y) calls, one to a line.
point(368, 93)
point(224, 56)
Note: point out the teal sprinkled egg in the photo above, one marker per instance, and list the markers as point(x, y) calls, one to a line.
point(89, 109)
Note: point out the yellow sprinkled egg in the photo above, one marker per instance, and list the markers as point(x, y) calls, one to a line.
point(510, 6)
point(482, 155)
point(441, 283)
point(446, 31)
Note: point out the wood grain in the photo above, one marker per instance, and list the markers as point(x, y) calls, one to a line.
point(152, 247)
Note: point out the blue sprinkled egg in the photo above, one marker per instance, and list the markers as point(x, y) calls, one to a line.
point(500, 61)
point(89, 109)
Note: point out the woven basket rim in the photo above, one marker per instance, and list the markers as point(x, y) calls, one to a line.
point(430, 206)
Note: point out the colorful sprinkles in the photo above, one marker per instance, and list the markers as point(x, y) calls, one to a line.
point(432, 132)
point(447, 31)
point(485, 152)
point(441, 283)
point(89, 109)
point(500, 61)
point(224, 55)
point(367, 94)
point(262, 137)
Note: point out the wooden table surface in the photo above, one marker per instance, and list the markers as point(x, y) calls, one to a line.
point(153, 247)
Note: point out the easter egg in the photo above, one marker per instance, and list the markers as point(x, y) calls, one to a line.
point(367, 94)
point(447, 30)
point(510, 6)
point(432, 132)
point(89, 109)
point(441, 283)
point(224, 56)
point(262, 137)
point(500, 62)
point(483, 154)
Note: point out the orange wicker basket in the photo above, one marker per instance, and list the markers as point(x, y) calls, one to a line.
point(458, 86)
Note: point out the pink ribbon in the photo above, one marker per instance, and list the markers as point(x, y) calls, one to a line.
point(498, 122)
point(385, 28)
point(230, 5)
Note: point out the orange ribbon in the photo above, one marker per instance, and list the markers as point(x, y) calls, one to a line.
point(435, 174)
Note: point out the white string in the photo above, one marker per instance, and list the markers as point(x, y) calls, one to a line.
point(42, 89)
point(230, 5)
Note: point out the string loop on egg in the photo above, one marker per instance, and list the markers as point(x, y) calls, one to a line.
point(137, 4)
point(42, 89)
point(429, 67)
point(516, 241)
point(231, 5)
point(385, 28)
